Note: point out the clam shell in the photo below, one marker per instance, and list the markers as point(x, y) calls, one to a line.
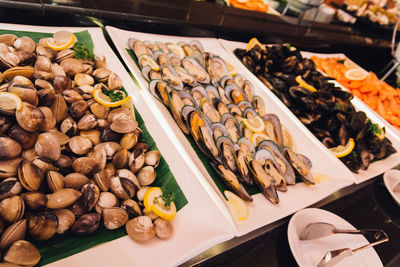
point(13, 233)
point(59, 108)
point(66, 219)
point(140, 229)
point(80, 145)
point(22, 252)
point(35, 201)
point(90, 195)
point(114, 217)
point(30, 176)
point(26, 71)
point(48, 146)
point(86, 223)
point(84, 165)
point(12, 209)
point(55, 180)
point(10, 187)
point(49, 121)
point(42, 226)
point(75, 180)
point(106, 200)
point(8, 39)
point(9, 148)
point(62, 198)
point(29, 117)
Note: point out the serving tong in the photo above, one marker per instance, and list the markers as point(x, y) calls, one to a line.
point(322, 229)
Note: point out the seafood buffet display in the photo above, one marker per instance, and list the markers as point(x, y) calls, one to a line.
point(377, 94)
point(71, 154)
point(323, 108)
point(230, 125)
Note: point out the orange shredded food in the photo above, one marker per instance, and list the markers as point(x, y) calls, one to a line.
point(255, 5)
point(380, 96)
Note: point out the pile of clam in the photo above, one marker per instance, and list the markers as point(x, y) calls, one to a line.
point(67, 162)
point(209, 103)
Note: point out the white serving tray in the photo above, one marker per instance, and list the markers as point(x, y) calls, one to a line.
point(356, 101)
point(261, 211)
point(197, 226)
point(376, 168)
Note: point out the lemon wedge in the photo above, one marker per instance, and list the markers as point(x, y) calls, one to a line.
point(237, 206)
point(257, 138)
point(177, 50)
point(381, 135)
point(153, 202)
point(356, 74)
point(342, 151)
point(232, 69)
point(252, 43)
point(61, 41)
point(10, 102)
point(103, 99)
point(304, 84)
point(255, 124)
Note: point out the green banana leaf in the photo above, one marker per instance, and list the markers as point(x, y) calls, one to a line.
point(67, 244)
point(252, 190)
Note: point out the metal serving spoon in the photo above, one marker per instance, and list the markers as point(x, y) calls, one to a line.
point(322, 229)
point(333, 257)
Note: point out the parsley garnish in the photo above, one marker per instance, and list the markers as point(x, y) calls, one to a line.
point(375, 129)
point(168, 196)
point(82, 52)
point(337, 106)
point(341, 61)
point(114, 95)
point(354, 154)
point(288, 46)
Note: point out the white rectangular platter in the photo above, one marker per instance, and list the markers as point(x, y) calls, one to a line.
point(357, 101)
point(261, 211)
point(197, 226)
point(377, 167)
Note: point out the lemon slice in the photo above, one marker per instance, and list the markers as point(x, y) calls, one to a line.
point(319, 178)
point(166, 212)
point(103, 99)
point(129, 105)
point(51, 42)
point(177, 50)
point(257, 138)
point(356, 74)
point(342, 151)
point(288, 139)
point(237, 206)
point(153, 202)
point(10, 102)
point(255, 124)
point(62, 36)
point(350, 64)
point(304, 84)
point(232, 69)
point(151, 194)
point(252, 43)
